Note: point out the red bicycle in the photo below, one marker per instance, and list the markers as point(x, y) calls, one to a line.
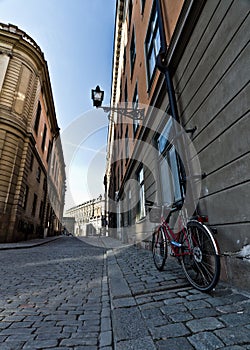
point(193, 244)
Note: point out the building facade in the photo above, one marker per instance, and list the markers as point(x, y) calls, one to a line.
point(32, 169)
point(89, 217)
point(206, 51)
point(68, 226)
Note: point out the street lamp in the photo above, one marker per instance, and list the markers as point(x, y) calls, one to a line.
point(97, 96)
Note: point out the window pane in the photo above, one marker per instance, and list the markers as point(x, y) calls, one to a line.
point(166, 184)
point(175, 174)
point(152, 44)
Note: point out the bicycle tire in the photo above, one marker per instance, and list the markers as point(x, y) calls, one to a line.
point(201, 263)
point(159, 248)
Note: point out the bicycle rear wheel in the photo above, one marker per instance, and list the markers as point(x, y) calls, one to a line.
point(200, 260)
point(159, 248)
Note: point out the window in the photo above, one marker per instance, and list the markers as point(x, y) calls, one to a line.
point(142, 6)
point(126, 93)
point(132, 53)
point(49, 151)
point(135, 106)
point(31, 161)
point(129, 211)
point(124, 58)
point(41, 210)
point(38, 114)
point(38, 174)
point(141, 200)
point(25, 197)
point(44, 136)
point(130, 9)
point(33, 213)
point(152, 45)
point(172, 189)
point(45, 184)
point(127, 144)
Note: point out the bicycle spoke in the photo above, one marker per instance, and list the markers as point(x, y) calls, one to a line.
point(159, 249)
point(201, 265)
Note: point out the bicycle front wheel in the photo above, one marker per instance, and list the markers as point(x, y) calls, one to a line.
point(200, 257)
point(159, 248)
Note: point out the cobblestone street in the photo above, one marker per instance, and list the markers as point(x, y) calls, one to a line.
point(95, 293)
point(52, 296)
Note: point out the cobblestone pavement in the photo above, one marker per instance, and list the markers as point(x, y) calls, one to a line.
point(54, 296)
point(103, 295)
point(159, 310)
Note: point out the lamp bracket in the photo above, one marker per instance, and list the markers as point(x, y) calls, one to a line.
point(132, 113)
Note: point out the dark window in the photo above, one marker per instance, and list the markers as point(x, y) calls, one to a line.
point(31, 161)
point(142, 5)
point(38, 114)
point(33, 213)
point(152, 45)
point(130, 9)
point(41, 210)
point(132, 52)
point(124, 58)
point(127, 144)
point(38, 174)
point(44, 136)
point(126, 93)
point(49, 151)
point(135, 106)
point(44, 184)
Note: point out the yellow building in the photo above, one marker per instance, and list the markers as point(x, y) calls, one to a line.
point(31, 200)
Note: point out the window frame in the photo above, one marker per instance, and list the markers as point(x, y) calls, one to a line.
point(141, 210)
point(132, 51)
point(152, 45)
point(44, 137)
point(135, 106)
point(34, 205)
point(38, 116)
point(175, 190)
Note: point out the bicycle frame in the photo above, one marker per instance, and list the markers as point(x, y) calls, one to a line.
point(173, 238)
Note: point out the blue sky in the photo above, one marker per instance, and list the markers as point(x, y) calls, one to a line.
point(77, 39)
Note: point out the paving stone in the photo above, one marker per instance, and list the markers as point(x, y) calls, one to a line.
point(181, 317)
point(124, 302)
point(205, 312)
point(40, 344)
point(234, 347)
point(15, 345)
point(205, 341)
point(179, 343)
point(204, 324)
point(234, 335)
point(105, 338)
point(128, 324)
point(235, 319)
point(145, 343)
point(170, 331)
point(198, 304)
point(105, 324)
